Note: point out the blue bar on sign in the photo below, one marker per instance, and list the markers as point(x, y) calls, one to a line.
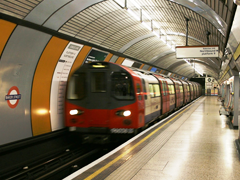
point(13, 97)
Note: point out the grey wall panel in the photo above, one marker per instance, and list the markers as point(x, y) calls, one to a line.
point(44, 10)
point(68, 11)
point(145, 67)
point(114, 58)
point(17, 66)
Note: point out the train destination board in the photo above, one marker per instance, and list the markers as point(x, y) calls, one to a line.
point(196, 51)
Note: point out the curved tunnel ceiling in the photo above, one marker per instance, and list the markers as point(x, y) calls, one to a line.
point(111, 25)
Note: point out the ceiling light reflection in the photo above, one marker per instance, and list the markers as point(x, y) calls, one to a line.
point(42, 111)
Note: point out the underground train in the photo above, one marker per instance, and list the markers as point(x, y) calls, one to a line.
point(104, 98)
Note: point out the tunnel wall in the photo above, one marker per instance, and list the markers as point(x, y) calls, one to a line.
point(28, 60)
point(17, 66)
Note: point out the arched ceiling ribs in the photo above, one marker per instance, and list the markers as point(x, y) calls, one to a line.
point(158, 58)
point(206, 70)
point(174, 66)
point(134, 41)
point(206, 11)
point(186, 67)
point(109, 26)
point(191, 74)
point(184, 35)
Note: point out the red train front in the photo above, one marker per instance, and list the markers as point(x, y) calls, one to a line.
point(104, 98)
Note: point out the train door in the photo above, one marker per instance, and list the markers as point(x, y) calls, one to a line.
point(147, 107)
point(177, 95)
point(183, 89)
point(194, 90)
point(155, 98)
point(153, 90)
point(187, 92)
point(171, 91)
point(147, 96)
point(181, 93)
point(98, 89)
point(165, 97)
point(177, 92)
point(191, 91)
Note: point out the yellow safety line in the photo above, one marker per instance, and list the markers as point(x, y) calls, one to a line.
point(133, 147)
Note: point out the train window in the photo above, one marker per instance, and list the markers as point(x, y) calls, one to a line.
point(151, 90)
point(187, 87)
point(77, 86)
point(191, 88)
point(181, 89)
point(171, 89)
point(121, 86)
point(164, 88)
point(156, 90)
point(98, 82)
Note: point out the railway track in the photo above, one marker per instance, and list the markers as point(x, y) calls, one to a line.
point(52, 156)
point(57, 167)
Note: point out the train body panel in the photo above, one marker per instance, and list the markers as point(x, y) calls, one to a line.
point(191, 90)
point(104, 97)
point(171, 92)
point(186, 91)
point(179, 92)
point(152, 99)
point(165, 98)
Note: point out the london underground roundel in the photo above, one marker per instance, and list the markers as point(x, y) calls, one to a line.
point(13, 97)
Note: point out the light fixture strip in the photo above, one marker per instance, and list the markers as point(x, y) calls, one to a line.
point(140, 18)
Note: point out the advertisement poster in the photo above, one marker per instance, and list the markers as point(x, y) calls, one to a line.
point(59, 82)
point(96, 55)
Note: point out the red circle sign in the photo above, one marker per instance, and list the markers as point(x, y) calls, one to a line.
point(13, 97)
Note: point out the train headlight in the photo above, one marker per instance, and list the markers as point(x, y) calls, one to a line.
point(76, 112)
point(124, 113)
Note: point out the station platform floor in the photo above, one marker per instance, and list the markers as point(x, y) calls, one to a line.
point(195, 143)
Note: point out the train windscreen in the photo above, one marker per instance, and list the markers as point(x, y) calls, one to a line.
point(77, 86)
point(122, 87)
point(98, 82)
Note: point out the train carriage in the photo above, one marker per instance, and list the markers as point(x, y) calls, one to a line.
point(92, 101)
point(104, 98)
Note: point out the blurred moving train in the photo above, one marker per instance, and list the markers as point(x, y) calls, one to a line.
point(104, 98)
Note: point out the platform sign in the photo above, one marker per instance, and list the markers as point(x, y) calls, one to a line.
point(153, 69)
point(13, 97)
point(59, 82)
point(127, 62)
point(96, 55)
point(197, 51)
